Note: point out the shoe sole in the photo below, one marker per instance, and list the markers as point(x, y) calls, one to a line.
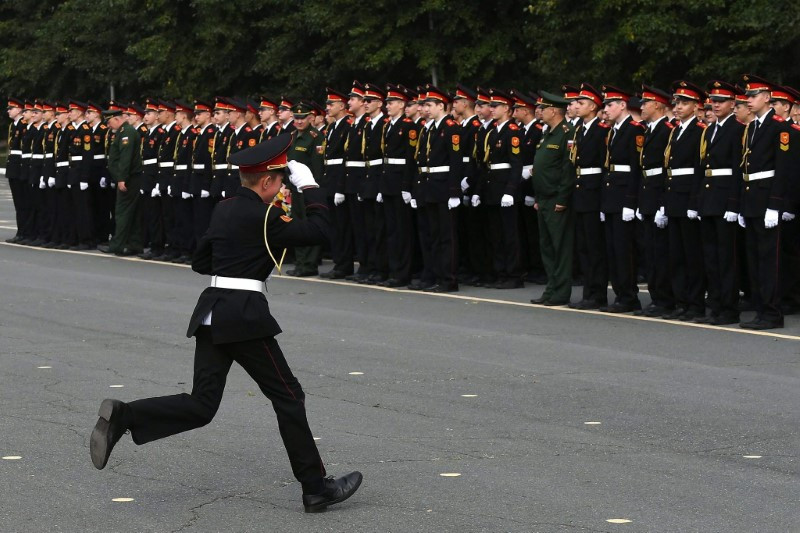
point(321, 508)
point(99, 445)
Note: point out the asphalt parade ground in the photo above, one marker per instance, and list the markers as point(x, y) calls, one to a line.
point(473, 411)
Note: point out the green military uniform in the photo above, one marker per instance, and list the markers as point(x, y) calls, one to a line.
point(306, 148)
point(552, 179)
point(125, 165)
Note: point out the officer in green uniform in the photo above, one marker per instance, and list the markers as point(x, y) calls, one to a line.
point(125, 167)
point(306, 148)
point(552, 179)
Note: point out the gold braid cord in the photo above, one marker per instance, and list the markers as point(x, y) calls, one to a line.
point(269, 250)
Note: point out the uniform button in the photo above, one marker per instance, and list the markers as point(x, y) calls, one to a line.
point(644, 186)
point(747, 188)
point(708, 186)
point(669, 178)
point(578, 186)
point(708, 166)
point(669, 188)
point(608, 185)
point(671, 158)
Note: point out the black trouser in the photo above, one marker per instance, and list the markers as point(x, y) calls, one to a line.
point(479, 238)
point(47, 219)
point(183, 224)
point(20, 195)
point(686, 263)
point(375, 233)
point(355, 213)
point(428, 274)
point(36, 209)
point(153, 222)
point(763, 266)
point(504, 228)
point(720, 262)
point(168, 218)
point(591, 240)
point(442, 224)
point(262, 359)
point(790, 263)
point(399, 237)
point(104, 199)
point(342, 243)
point(531, 256)
point(657, 251)
point(82, 213)
point(63, 225)
point(621, 253)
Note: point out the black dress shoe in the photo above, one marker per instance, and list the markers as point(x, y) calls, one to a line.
point(336, 490)
point(13, 240)
point(180, 259)
point(540, 301)
point(586, 305)
point(24, 241)
point(675, 314)
point(127, 252)
point(723, 320)
point(704, 319)
point(419, 285)
point(653, 311)
point(307, 273)
point(38, 242)
point(555, 303)
point(442, 288)
point(393, 283)
point(621, 308)
point(49, 245)
point(147, 256)
point(509, 284)
point(62, 246)
point(105, 249)
point(111, 425)
point(333, 274)
point(761, 324)
point(690, 315)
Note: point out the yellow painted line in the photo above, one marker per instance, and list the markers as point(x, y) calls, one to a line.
point(473, 299)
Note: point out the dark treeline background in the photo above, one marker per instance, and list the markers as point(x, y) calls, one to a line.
point(201, 48)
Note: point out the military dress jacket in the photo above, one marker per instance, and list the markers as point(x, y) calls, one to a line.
point(444, 161)
point(400, 142)
point(654, 174)
point(553, 172)
point(623, 171)
point(721, 152)
point(683, 155)
point(589, 156)
point(766, 150)
point(373, 155)
point(334, 157)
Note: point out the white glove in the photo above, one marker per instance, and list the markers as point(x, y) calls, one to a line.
point(83, 185)
point(300, 175)
point(627, 214)
point(155, 192)
point(379, 198)
point(51, 182)
point(787, 217)
point(661, 219)
point(638, 214)
point(69, 185)
point(169, 190)
point(185, 196)
point(223, 194)
point(692, 214)
point(103, 183)
point(204, 194)
point(476, 200)
point(465, 201)
point(338, 199)
point(42, 184)
point(507, 200)
point(730, 216)
point(464, 185)
point(141, 191)
point(406, 196)
point(602, 217)
point(741, 221)
point(529, 201)
point(770, 218)
point(112, 184)
point(452, 203)
point(413, 203)
point(526, 173)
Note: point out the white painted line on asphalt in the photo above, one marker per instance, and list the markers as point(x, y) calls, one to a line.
point(9, 227)
point(469, 395)
point(356, 373)
point(619, 521)
point(316, 438)
point(44, 367)
point(469, 299)
point(12, 457)
point(115, 386)
point(752, 456)
point(592, 423)
point(122, 499)
point(450, 474)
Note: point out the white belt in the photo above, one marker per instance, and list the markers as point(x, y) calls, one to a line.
point(588, 171)
point(679, 171)
point(654, 171)
point(48, 156)
point(146, 161)
point(181, 167)
point(620, 168)
point(26, 156)
point(73, 157)
point(359, 164)
point(15, 152)
point(221, 167)
point(334, 161)
point(759, 175)
point(37, 156)
point(465, 159)
point(100, 156)
point(62, 163)
point(499, 166)
point(168, 164)
point(199, 167)
point(374, 162)
point(242, 284)
point(711, 172)
point(395, 161)
point(436, 170)
point(234, 167)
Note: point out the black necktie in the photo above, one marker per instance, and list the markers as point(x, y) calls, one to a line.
point(714, 133)
point(755, 127)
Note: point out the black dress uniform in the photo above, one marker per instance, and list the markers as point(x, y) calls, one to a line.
point(80, 164)
point(181, 191)
point(103, 195)
point(166, 183)
point(651, 203)
point(63, 223)
point(36, 181)
point(589, 157)
point(374, 223)
point(427, 277)
point(19, 194)
point(398, 173)
point(684, 178)
point(790, 230)
point(333, 181)
point(619, 196)
point(220, 169)
point(482, 261)
point(350, 213)
point(49, 175)
point(239, 138)
point(766, 169)
point(443, 186)
point(718, 207)
point(232, 322)
point(152, 215)
point(202, 174)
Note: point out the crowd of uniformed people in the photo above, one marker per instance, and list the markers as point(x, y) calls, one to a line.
point(692, 191)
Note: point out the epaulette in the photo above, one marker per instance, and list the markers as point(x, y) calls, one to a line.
point(367, 118)
point(635, 123)
point(796, 126)
point(778, 118)
point(701, 125)
point(70, 127)
point(386, 120)
point(176, 128)
point(669, 124)
point(512, 126)
point(85, 126)
point(476, 123)
point(602, 125)
point(248, 129)
point(451, 122)
point(313, 133)
point(160, 129)
point(566, 128)
point(103, 127)
point(406, 119)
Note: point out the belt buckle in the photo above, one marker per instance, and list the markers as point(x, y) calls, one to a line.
point(746, 177)
point(669, 172)
point(709, 172)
